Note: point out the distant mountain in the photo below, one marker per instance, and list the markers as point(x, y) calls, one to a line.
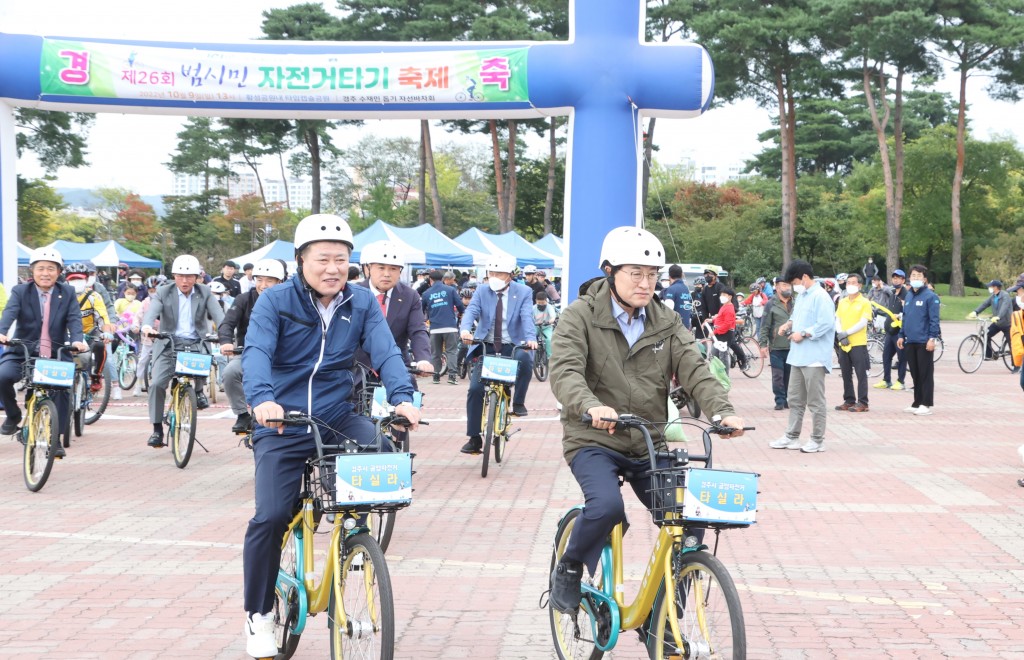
point(84, 198)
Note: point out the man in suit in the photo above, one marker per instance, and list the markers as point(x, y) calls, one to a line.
point(185, 310)
point(503, 311)
point(41, 304)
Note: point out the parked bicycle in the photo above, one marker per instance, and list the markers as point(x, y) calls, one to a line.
point(971, 353)
point(182, 407)
point(688, 605)
point(355, 588)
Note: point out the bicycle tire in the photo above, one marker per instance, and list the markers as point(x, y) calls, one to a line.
point(940, 348)
point(463, 368)
point(211, 382)
point(96, 404)
point(752, 355)
point(500, 435)
point(382, 525)
point(876, 351)
point(540, 365)
point(286, 604)
point(568, 646)
point(971, 354)
point(1007, 355)
point(78, 397)
point(367, 634)
point(444, 365)
point(184, 427)
point(693, 408)
point(710, 571)
point(490, 407)
point(43, 435)
point(127, 372)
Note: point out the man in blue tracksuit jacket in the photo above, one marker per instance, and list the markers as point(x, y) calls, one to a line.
point(679, 294)
point(918, 335)
point(440, 303)
point(299, 352)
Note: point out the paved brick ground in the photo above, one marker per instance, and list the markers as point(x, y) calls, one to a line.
point(904, 540)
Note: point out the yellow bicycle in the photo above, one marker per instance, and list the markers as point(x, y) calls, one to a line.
point(343, 484)
point(498, 375)
point(182, 406)
point(688, 607)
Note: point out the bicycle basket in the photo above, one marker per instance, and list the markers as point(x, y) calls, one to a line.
point(499, 369)
point(699, 497)
point(379, 481)
point(53, 373)
point(192, 364)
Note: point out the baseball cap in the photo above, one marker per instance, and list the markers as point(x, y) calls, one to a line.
point(899, 272)
point(998, 283)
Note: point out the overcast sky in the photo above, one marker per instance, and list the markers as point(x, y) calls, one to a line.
point(129, 150)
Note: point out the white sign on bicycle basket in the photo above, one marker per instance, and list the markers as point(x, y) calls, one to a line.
point(374, 478)
point(499, 368)
point(53, 373)
point(720, 496)
point(192, 364)
point(379, 407)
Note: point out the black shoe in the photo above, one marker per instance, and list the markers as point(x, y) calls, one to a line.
point(787, 406)
point(474, 446)
point(565, 593)
point(436, 379)
point(10, 426)
point(201, 401)
point(453, 380)
point(156, 440)
point(58, 451)
point(780, 406)
point(519, 410)
point(242, 424)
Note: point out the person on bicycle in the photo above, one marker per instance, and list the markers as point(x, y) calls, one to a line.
point(725, 328)
point(442, 307)
point(96, 326)
point(231, 333)
point(47, 315)
point(1001, 305)
point(300, 346)
point(615, 352)
point(544, 317)
point(699, 312)
point(503, 312)
point(185, 309)
point(145, 341)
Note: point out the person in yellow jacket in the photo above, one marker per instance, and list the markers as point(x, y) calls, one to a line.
point(96, 326)
point(3, 297)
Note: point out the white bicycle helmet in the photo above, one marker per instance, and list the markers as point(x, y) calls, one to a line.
point(841, 277)
point(632, 245)
point(502, 263)
point(322, 227)
point(46, 254)
point(529, 269)
point(269, 268)
point(218, 287)
point(381, 252)
point(186, 264)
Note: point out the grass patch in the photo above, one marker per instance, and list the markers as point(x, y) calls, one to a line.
point(956, 308)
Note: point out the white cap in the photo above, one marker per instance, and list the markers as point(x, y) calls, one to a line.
point(632, 245)
point(529, 269)
point(218, 287)
point(269, 268)
point(501, 263)
point(186, 264)
point(45, 254)
point(322, 227)
point(381, 252)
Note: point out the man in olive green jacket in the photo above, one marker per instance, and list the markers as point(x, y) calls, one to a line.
point(615, 352)
point(774, 346)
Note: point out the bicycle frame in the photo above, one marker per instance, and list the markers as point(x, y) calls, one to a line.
point(501, 421)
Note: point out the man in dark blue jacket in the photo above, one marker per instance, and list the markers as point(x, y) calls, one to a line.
point(299, 353)
point(442, 306)
point(678, 294)
point(918, 335)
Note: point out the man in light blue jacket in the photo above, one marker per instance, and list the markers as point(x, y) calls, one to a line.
point(811, 330)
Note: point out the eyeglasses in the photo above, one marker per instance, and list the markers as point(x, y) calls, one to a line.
point(637, 275)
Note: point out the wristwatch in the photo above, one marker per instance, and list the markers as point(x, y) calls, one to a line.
point(805, 334)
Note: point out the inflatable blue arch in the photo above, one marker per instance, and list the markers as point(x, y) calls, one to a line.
point(605, 77)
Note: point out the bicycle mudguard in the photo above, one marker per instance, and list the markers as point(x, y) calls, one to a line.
point(286, 582)
point(578, 507)
point(613, 609)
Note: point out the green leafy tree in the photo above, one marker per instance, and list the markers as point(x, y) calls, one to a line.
point(58, 139)
point(37, 202)
point(202, 151)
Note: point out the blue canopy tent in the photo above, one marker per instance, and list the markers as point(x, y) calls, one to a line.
point(283, 250)
point(511, 244)
point(552, 245)
point(23, 254)
point(420, 246)
point(106, 254)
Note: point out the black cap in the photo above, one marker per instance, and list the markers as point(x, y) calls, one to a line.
point(998, 283)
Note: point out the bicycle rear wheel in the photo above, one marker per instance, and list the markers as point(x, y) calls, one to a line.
point(211, 382)
point(382, 525)
point(79, 395)
point(971, 354)
point(876, 349)
point(183, 437)
point(707, 610)
point(574, 635)
point(490, 408)
point(444, 365)
point(96, 402)
point(363, 598)
point(127, 372)
point(940, 347)
point(42, 438)
point(286, 601)
point(752, 355)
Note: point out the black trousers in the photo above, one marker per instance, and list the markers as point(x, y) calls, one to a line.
point(856, 360)
point(888, 352)
point(475, 396)
point(994, 330)
point(922, 369)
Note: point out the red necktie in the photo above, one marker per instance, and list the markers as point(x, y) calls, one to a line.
point(383, 305)
point(44, 337)
point(497, 325)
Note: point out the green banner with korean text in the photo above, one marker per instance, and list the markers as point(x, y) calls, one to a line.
point(105, 70)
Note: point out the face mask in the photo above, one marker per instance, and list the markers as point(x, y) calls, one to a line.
point(129, 298)
point(91, 280)
point(991, 289)
point(79, 285)
point(496, 284)
point(852, 290)
point(785, 294)
point(799, 288)
point(725, 299)
point(135, 282)
point(541, 308)
point(917, 284)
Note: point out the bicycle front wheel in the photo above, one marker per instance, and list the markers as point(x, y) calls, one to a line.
point(1004, 350)
point(490, 409)
point(361, 612)
point(183, 438)
point(540, 364)
point(43, 438)
point(573, 634)
point(876, 350)
point(752, 356)
point(211, 382)
point(940, 347)
point(79, 395)
point(286, 601)
point(127, 374)
point(501, 429)
point(707, 611)
point(971, 354)
point(96, 402)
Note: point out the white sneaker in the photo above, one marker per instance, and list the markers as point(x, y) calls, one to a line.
point(910, 409)
point(923, 410)
point(813, 447)
point(259, 635)
point(785, 443)
point(115, 393)
point(137, 391)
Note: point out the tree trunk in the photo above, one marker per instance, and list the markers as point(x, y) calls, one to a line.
point(435, 196)
point(259, 182)
point(313, 144)
point(284, 180)
point(499, 177)
point(891, 228)
point(424, 126)
point(513, 180)
point(956, 276)
point(648, 154)
point(787, 201)
point(791, 129)
point(898, 150)
point(549, 198)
